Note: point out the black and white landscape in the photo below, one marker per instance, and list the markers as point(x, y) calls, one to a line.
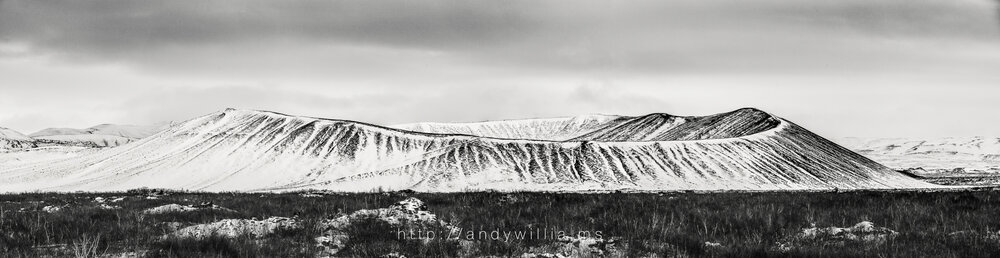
point(245, 150)
point(447, 128)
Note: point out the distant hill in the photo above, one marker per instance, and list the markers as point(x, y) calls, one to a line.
point(10, 139)
point(245, 150)
point(947, 153)
point(105, 135)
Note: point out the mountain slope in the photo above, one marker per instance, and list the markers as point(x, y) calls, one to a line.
point(265, 151)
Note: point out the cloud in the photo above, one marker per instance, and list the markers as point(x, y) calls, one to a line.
point(113, 27)
point(449, 60)
point(607, 37)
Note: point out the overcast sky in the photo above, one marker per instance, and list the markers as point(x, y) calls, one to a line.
point(871, 68)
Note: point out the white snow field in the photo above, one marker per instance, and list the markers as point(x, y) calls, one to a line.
point(244, 150)
point(17, 157)
point(970, 154)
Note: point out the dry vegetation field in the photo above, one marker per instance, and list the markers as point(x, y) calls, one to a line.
point(774, 224)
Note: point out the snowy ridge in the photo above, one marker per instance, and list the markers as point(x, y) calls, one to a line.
point(241, 150)
point(602, 128)
point(664, 127)
point(545, 129)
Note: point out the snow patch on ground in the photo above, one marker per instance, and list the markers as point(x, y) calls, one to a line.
point(171, 208)
point(232, 228)
point(509, 199)
point(863, 233)
point(105, 206)
point(52, 208)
